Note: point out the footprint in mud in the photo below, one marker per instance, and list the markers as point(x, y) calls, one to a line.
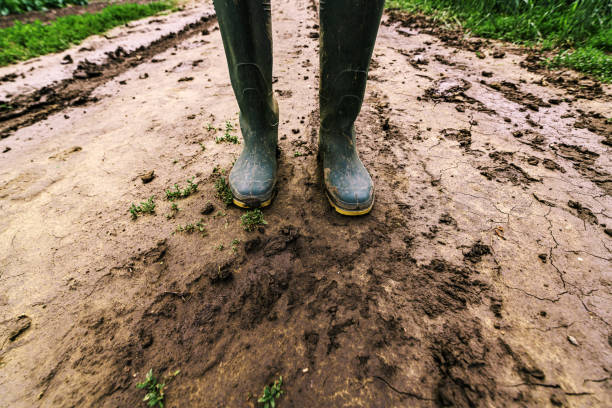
point(13, 329)
point(66, 153)
point(583, 213)
point(504, 171)
point(448, 90)
point(512, 92)
point(463, 136)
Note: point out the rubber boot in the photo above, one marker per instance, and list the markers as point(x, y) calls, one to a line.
point(348, 34)
point(247, 38)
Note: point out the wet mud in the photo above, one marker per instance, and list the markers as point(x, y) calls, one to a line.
point(481, 278)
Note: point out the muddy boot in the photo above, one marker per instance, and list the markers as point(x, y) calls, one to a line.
point(348, 33)
point(247, 38)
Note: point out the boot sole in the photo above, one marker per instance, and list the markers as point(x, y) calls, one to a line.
point(245, 205)
point(345, 211)
point(265, 203)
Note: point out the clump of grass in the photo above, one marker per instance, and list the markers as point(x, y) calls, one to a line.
point(173, 211)
point(224, 193)
point(190, 228)
point(251, 219)
point(155, 390)
point(271, 393)
point(22, 6)
point(584, 27)
point(23, 41)
point(234, 245)
point(587, 59)
point(178, 193)
point(227, 136)
point(145, 207)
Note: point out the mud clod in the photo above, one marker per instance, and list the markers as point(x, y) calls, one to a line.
point(476, 252)
point(583, 213)
point(148, 177)
point(463, 136)
point(15, 328)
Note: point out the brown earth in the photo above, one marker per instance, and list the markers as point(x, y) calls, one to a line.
point(481, 278)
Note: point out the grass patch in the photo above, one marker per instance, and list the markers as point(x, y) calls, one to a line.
point(145, 207)
point(252, 219)
point(227, 136)
point(24, 41)
point(579, 30)
point(182, 193)
point(191, 228)
point(21, 6)
point(224, 193)
point(155, 390)
point(586, 59)
point(271, 393)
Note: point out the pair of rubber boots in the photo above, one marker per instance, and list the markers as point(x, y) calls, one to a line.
point(348, 31)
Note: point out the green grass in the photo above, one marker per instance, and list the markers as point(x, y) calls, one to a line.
point(146, 207)
point(224, 193)
point(190, 228)
point(22, 6)
point(271, 393)
point(24, 41)
point(155, 390)
point(251, 219)
point(182, 193)
point(227, 136)
point(580, 31)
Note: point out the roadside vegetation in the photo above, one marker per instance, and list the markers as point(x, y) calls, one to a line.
point(22, 6)
point(23, 41)
point(579, 31)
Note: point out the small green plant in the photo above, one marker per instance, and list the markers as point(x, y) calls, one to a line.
point(270, 394)
point(234, 245)
point(145, 207)
point(220, 247)
point(155, 390)
point(227, 136)
point(190, 228)
point(224, 193)
point(178, 193)
point(174, 210)
point(209, 126)
point(297, 154)
point(252, 219)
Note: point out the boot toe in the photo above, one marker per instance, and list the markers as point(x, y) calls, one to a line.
point(350, 192)
point(252, 187)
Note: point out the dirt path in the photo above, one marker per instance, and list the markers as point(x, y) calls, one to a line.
point(481, 278)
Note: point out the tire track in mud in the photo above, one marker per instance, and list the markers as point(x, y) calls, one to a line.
point(25, 110)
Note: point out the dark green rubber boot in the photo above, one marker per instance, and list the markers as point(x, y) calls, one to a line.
point(348, 34)
point(247, 38)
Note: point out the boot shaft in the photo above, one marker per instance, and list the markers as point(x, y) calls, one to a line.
point(348, 35)
point(247, 39)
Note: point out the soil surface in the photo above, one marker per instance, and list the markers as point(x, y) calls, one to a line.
point(481, 278)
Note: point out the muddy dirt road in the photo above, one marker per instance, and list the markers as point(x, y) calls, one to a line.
point(481, 278)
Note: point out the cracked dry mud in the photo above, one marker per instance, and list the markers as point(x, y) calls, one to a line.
point(481, 278)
